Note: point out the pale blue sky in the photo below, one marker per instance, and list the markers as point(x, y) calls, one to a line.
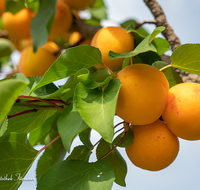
point(184, 172)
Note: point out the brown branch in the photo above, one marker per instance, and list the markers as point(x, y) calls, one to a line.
point(137, 25)
point(161, 21)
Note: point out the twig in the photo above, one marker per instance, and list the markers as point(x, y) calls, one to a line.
point(161, 21)
point(137, 25)
point(21, 113)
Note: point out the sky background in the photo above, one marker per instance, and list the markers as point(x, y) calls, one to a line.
point(184, 173)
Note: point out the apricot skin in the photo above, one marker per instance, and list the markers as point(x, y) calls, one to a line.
point(182, 113)
point(154, 146)
point(113, 39)
point(62, 21)
point(143, 94)
point(18, 25)
point(36, 64)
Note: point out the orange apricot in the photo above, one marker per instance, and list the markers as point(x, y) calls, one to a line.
point(2, 6)
point(18, 25)
point(36, 64)
point(78, 4)
point(62, 21)
point(154, 146)
point(182, 113)
point(76, 37)
point(113, 39)
point(143, 94)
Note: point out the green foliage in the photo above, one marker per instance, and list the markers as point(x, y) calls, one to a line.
point(77, 175)
point(43, 22)
point(35, 111)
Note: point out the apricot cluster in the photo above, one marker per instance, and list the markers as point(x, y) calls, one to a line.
point(141, 101)
point(18, 28)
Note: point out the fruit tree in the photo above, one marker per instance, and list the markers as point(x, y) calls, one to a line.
point(108, 71)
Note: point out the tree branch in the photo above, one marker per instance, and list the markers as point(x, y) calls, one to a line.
point(161, 21)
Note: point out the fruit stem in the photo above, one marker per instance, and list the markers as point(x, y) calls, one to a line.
point(48, 144)
point(167, 66)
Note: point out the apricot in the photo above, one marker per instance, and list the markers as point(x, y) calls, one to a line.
point(78, 4)
point(2, 6)
point(62, 21)
point(22, 43)
point(143, 94)
point(18, 25)
point(113, 39)
point(36, 64)
point(154, 146)
point(76, 37)
point(182, 113)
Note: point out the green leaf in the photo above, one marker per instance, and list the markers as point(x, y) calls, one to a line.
point(3, 126)
point(17, 156)
point(42, 23)
point(38, 135)
point(161, 45)
point(79, 153)
point(186, 57)
point(128, 140)
point(70, 123)
point(144, 46)
point(78, 175)
point(6, 47)
point(171, 75)
point(89, 81)
point(97, 107)
point(10, 90)
point(70, 61)
point(52, 154)
point(85, 137)
point(26, 123)
point(15, 6)
point(115, 159)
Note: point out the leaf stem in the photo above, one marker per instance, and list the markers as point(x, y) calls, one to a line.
point(167, 66)
point(21, 113)
point(48, 144)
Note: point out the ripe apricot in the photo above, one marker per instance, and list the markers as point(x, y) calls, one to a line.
point(143, 94)
point(36, 64)
point(22, 43)
point(76, 37)
point(182, 113)
point(62, 21)
point(18, 25)
point(2, 6)
point(78, 4)
point(113, 39)
point(154, 146)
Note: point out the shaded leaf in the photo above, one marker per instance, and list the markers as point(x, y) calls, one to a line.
point(70, 123)
point(17, 156)
point(3, 126)
point(79, 153)
point(78, 175)
point(187, 58)
point(128, 140)
point(171, 75)
point(52, 154)
point(70, 61)
point(97, 107)
point(42, 23)
point(85, 137)
point(115, 159)
point(161, 45)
